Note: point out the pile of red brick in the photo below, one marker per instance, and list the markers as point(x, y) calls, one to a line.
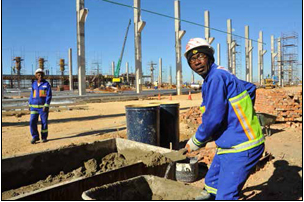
point(192, 117)
point(283, 103)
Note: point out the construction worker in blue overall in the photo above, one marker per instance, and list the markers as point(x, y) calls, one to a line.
point(39, 104)
point(228, 118)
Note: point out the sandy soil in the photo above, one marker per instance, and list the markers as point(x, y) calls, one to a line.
point(279, 179)
point(100, 121)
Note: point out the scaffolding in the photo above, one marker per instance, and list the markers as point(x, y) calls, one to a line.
point(238, 56)
point(289, 47)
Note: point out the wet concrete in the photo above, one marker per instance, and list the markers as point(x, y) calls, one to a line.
point(94, 166)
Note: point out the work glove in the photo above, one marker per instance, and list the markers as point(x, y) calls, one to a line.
point(45, 109)
point(191, 146)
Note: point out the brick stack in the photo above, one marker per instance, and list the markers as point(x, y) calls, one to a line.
point(192, 117)
point(283, 103)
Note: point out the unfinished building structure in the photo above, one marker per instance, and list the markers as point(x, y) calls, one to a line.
point(289, 43)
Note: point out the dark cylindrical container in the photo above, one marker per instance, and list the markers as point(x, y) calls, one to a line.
point(143, 123)
point(169, 124)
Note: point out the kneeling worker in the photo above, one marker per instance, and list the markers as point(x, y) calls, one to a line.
point(39, 104)
point(228, 118)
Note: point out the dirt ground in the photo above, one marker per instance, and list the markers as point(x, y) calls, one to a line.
point(279, 179)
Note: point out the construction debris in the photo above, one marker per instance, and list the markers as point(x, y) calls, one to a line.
point(286, 105)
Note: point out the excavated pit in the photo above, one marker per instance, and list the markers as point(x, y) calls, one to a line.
point(104, 162)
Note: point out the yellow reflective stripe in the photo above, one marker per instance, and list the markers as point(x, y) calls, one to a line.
point(210, 189)
point(203, 109)
point(196, 142)
point(241, 120)
point(241, 114)
point(46, 105)
point(34, 112)
point(251, 133)
point(44, 131)
point(37, 106)
point(243, 146)
point(238, 97)
point(34, 93)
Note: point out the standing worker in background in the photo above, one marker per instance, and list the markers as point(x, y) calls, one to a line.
point(39, 104)
point(228, 118)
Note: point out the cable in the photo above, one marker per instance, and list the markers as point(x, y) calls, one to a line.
point(167, 16)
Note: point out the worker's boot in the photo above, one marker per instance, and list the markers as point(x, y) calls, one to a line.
point(204, 196)
point(34, 140)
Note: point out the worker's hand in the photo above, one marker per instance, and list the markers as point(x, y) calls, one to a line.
point(190, 146)
point(45, 109)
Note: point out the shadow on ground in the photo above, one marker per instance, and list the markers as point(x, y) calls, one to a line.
point(284, 184)
point(86, 118)
point(93, 132)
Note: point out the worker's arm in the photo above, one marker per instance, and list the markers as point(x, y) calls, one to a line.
point(216, 105)
point(251, 88)
point(31, 97)
point(48, 98)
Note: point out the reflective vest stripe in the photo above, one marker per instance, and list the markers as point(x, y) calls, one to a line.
point(235, 102)
point(34, 93)
point(37, 106)
point(247, 122)
point(44, 131)
point(203, 109)
point(46, 105)
point(241, 120)
point(239, 97)
point(243, 146)
point(210, 189)
point(42, 93)
point(34, 112)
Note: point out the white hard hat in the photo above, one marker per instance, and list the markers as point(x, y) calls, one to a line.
point(196, 43)
point(39, 70)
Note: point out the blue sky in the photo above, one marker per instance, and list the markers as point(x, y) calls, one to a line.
point(48, 29)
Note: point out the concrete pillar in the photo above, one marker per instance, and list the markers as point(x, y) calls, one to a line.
point(70, 70)
point(218, 54)
point(113, 68)
point(250, 61)
point(273, 56)
point(81, 15)
point(160, 69)
point(207, 28)
point(280, 63)
point(261, 53)
point(127, 71)
point(229, 41)
point(170, 76)
point(192, 77)
point(233, 54)
point(178, 37)
point(247, 53)
point(138, 27)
